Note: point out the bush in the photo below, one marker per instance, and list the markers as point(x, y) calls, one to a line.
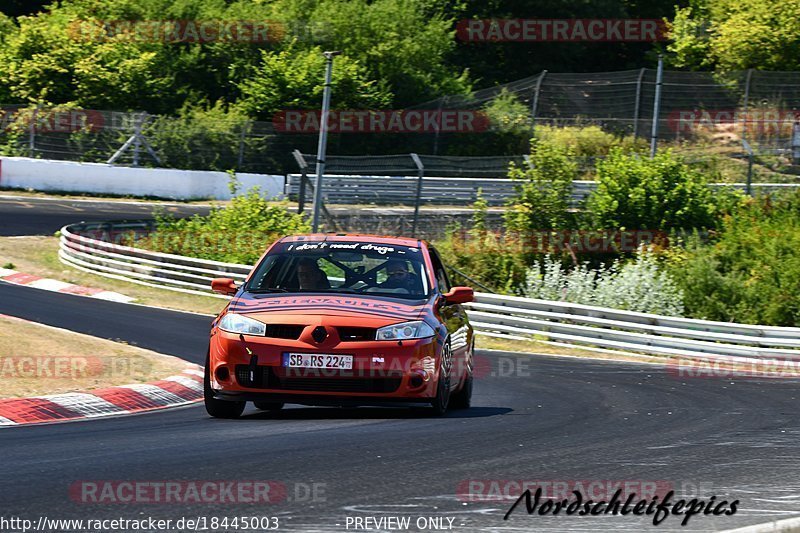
point(588, 141)
point(639, 285)
point(658, 194)
point(494, 260)
point(749, 272)
point(238, 233)
point(543, 191)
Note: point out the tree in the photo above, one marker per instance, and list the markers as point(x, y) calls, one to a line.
point(733, 35)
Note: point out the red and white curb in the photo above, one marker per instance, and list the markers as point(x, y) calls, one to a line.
point(29, 280)
point(173, 391)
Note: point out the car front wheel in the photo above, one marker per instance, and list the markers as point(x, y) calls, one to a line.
point(442, 399)
point(218, 408)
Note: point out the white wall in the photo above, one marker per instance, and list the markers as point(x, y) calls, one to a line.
point(49, 175)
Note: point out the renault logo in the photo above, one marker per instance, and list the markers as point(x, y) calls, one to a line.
point(319, 334)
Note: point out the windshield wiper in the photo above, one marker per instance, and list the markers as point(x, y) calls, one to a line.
point(266, 290)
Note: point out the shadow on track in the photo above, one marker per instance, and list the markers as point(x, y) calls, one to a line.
point(370, 413)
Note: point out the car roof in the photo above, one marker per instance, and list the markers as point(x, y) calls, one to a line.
point(353, 237)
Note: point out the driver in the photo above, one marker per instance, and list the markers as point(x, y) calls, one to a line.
point(310, 276)
point(398, 277)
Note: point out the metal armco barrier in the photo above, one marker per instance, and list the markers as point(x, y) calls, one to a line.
point(401, 190)
point(86, 247)
point(79, 248)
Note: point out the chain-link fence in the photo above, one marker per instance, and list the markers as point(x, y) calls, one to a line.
point(704, 115)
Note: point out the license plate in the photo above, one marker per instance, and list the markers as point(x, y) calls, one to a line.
point(307, 360)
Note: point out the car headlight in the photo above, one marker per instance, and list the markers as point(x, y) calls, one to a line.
point(406, 330)
point(233, 323)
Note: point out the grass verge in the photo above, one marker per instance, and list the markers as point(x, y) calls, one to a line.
point(36, 360)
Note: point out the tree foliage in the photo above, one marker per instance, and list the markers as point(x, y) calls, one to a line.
point(733, 35)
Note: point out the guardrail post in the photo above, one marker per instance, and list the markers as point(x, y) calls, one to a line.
point(418, 199)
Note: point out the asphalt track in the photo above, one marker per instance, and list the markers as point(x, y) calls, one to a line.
point(40, 216)
point(536, 418)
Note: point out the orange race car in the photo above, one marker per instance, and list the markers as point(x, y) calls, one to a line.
point(341, 320)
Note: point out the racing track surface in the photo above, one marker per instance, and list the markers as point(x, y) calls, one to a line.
point(558, 419)
point(37, 216)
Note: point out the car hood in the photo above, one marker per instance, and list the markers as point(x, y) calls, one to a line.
point(391, 310)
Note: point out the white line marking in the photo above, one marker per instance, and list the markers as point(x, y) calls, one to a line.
point(112, 296)
point(50, 284)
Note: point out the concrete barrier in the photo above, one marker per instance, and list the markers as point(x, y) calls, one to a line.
point(99, 178)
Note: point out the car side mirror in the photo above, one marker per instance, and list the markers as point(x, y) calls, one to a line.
point(459, 295)
point(224, 286)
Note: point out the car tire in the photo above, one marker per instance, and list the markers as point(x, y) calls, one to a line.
point(442, 399)
point(218, 408)
point(463, 398)
point(269, 406)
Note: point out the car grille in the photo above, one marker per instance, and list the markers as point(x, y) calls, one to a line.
point(350, 334)
point(267, 377)
point(284, 331)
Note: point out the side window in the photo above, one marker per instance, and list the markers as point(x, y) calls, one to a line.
point(439, 272)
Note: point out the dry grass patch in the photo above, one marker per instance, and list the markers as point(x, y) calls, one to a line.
point(36, 360)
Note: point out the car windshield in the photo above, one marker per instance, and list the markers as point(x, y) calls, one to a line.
point(343, 267)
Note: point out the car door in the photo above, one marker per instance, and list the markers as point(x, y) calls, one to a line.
point(454, 317)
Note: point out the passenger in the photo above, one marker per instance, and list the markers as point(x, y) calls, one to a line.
point(398, 277)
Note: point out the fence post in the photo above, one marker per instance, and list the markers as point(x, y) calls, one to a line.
point(535, 102)
point(442, 100)
point(301, 194)
point(746, 102)
point(749, 150)
point(656, 107)
point(418, 199)
point(32, 132)
point(240, 159)
point(137, 141)
point(638, 102)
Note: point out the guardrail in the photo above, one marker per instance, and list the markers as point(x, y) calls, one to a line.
point(402, 190)
point(79, 249)
point(86, 246)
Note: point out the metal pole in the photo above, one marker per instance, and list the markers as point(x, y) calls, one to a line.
point(442, 100)
point(32, 133)
point(418, 200)
point(535, 102)
point(323, 138)
point(746, 101)
point(749, 150)
point(638, 102)
point(137, 134)
point(240, 160)
point(656, 107)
